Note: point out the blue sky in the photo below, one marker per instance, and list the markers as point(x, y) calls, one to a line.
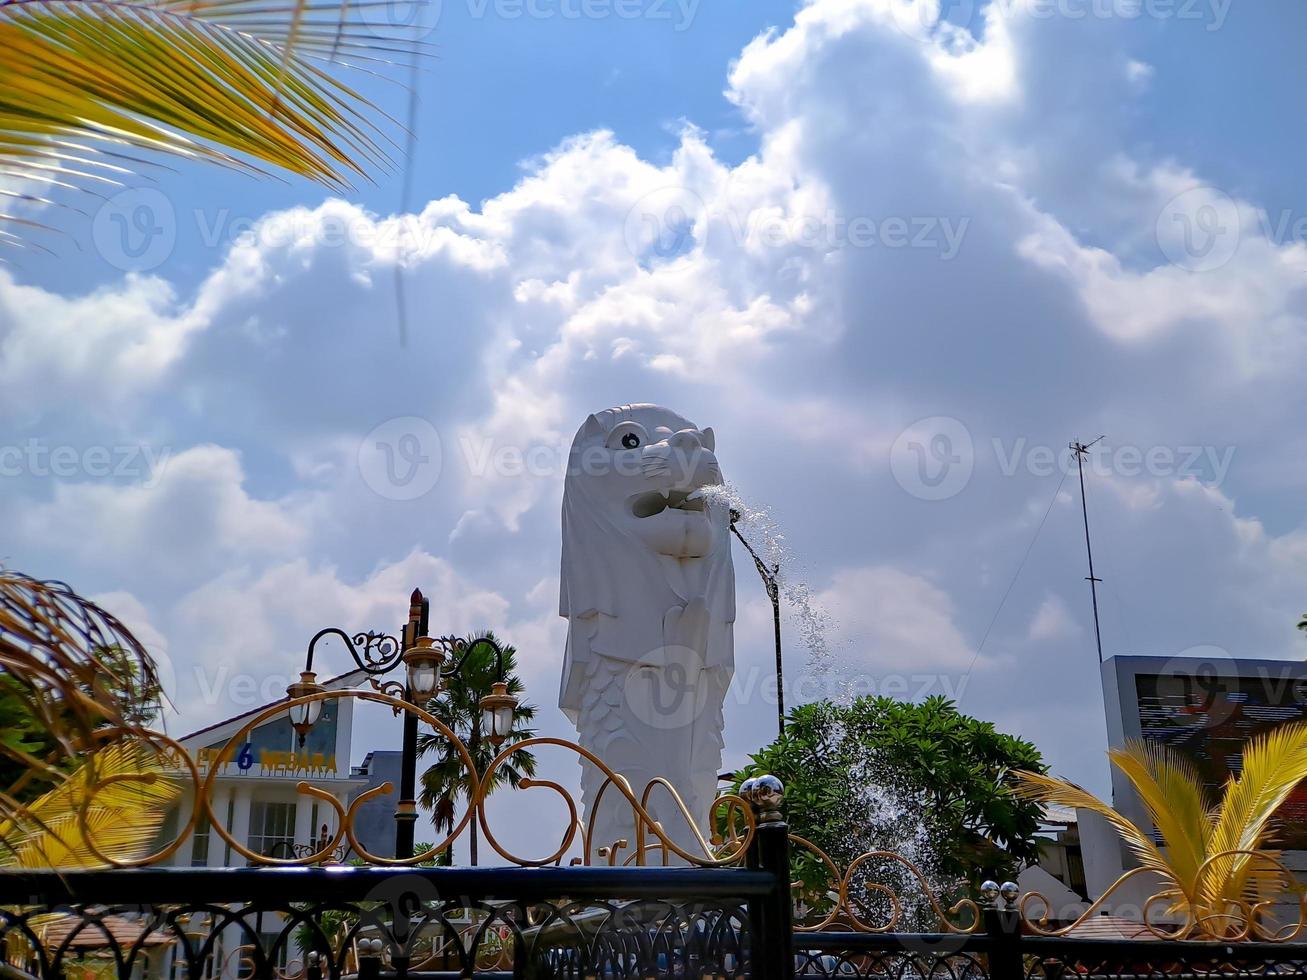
point(911, 257)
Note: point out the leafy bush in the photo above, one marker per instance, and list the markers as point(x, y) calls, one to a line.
point(885, 774)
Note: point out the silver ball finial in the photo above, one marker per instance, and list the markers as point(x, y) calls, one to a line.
point(765, 794)
point(1010, 891)
point(989, 891)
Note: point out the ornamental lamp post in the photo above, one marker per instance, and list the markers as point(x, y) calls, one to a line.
point(426, 671)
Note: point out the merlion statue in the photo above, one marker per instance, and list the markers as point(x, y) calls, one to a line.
point(648, 591)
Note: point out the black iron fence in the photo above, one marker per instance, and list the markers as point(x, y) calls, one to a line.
point(1004, 954)
point(428, 922)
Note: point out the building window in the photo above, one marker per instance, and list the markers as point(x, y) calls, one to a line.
point(200, 842)
point(272, 829)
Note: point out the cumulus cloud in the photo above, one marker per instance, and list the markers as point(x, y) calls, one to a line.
point(890, 620)
point(1052, 620)
point(191, 517)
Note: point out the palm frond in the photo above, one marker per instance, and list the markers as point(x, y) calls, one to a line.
point(459, 707)
point(1171, 790)
point(68, 669)
point(1049, 789)
point(241, 83)
point(53, 643)
point(1215, 858)
point(1273, 766)
point(118, 799)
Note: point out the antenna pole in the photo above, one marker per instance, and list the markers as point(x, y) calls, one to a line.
point(1080, 449)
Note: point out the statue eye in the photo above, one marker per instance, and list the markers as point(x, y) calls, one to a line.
point(627, 435)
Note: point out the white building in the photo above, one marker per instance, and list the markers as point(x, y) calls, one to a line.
point(1207, 709)
point(254, 795)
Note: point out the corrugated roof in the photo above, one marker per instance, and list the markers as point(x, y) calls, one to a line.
point(111, 930)
point(1110, 927)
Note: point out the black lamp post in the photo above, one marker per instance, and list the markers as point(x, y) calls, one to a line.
point(770, 580)
point(424, 658)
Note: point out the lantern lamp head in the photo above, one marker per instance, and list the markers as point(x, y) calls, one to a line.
point(497, 710)
point(304, 716)
point(424, 662)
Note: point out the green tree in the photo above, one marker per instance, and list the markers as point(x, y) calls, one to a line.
point(946, 769)
point(458, 706)
point(119, 678)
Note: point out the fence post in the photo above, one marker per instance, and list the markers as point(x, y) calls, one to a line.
point(369, 957)
point(771, 919)
point(1003, 925)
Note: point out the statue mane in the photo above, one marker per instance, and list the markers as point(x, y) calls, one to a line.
point(614, 588)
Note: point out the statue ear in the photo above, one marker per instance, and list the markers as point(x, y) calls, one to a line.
point(709, 440)
point(592, 429)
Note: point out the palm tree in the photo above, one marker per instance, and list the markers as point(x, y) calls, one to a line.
point(459, 706)
point(1213, 857)
point(442, 818)
point(86, 84)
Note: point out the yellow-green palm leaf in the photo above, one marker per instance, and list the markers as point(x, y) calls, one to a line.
point(1172, 793)
point(86, 84)
point(1049, 789)
point(1213, 857)
point(1273, 766)
point(53, 650)
point(119, 799)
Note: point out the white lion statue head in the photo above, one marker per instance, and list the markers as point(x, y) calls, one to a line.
point(640, 538)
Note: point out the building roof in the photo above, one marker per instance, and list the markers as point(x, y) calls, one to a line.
point(103, 933)
point(337, 683)
point(1110, 927)
point(1059, 814)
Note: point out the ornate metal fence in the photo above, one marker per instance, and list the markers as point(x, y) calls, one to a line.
point(577, 922)
point(319, 922)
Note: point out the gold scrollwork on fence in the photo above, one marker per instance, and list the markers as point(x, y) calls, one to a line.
point(1202, 909)
point(652, 843)
point(838, 904)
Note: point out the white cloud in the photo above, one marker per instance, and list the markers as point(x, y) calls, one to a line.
point(1052, 620)
point(117, 342)
point(195, 518)
point(245, 633)
point(892, 621)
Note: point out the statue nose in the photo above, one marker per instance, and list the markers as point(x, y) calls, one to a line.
point(686, 440)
